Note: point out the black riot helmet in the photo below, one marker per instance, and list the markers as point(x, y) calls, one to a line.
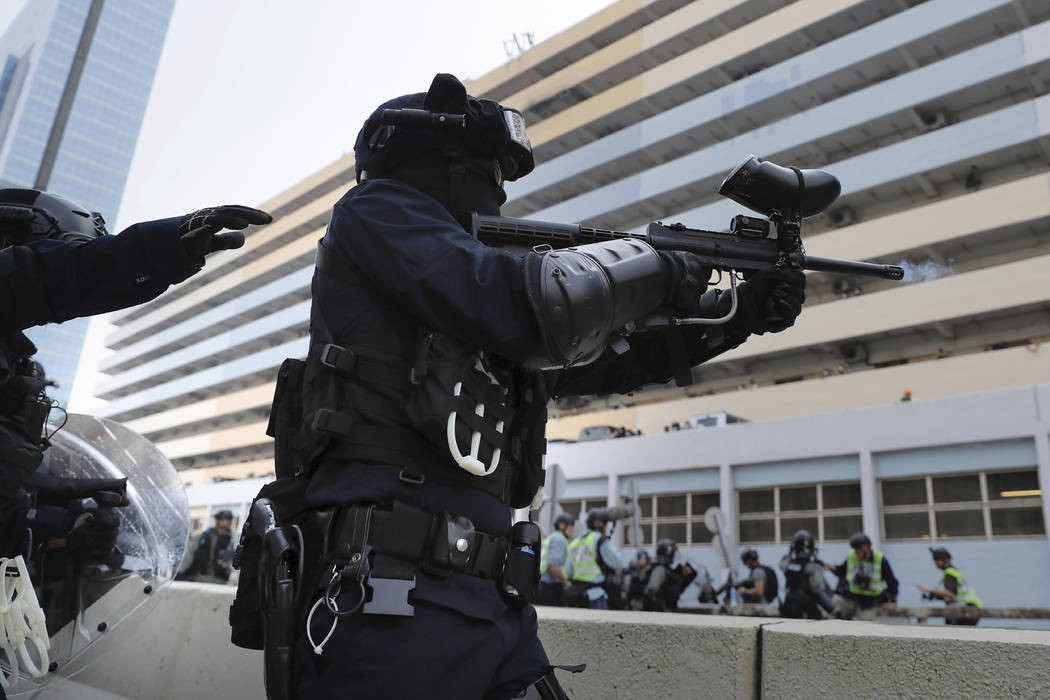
point(457, 148)
point(858, 540)
point(28, 215)
point(564, 519)
point(595, 516)
point(448, 120)
point(803, 546)
point(665, 550)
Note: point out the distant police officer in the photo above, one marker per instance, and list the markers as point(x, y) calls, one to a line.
point(806, 590)
point(553, 580)
point(214, 554)
point(423, 403)
point(952, 588)
point(761, 585)
point(666, 582)
point(869, 579)
point(57, 262)
point(591, 558)
point(635, 579)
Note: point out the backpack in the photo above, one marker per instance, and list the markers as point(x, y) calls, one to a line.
point(772, 588)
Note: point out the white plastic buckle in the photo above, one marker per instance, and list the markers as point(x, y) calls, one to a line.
point(21, 623)
point(470, 462)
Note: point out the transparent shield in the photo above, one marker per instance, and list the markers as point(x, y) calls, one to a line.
point(85, 606)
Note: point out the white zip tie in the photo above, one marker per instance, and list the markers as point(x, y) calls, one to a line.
point(21, 621)
point(319, 648)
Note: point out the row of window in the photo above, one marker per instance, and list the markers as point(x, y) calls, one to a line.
point(984, 505)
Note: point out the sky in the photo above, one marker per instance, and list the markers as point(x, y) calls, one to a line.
point(252, 96)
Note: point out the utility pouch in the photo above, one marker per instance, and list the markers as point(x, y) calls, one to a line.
point(521, 570)
point(286, 415)
point(528, 443)
point(458, 406)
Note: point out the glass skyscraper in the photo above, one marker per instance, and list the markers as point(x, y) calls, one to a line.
point(75, 77)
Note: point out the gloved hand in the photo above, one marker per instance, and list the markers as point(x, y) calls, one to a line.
point(771, 300)
point(94, 535)
point(199, 230)
point(687, 280)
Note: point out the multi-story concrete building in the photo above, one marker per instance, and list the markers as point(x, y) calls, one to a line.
point(75, 77)
point(934, 115)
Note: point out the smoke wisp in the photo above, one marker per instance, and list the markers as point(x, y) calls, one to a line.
point(924, 271)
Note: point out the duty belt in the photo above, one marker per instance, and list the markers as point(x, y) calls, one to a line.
point(385, 548)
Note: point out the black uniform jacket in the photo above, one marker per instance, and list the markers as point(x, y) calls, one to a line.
point(419, 266)
point(50, 281)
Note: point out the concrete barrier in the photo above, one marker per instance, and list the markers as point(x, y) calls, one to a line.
point(867, 659)
point(652, 655)
point(182, 651)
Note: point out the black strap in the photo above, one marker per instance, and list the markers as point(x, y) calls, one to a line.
point(678, 356)
point(406, 539)
point(350, 361)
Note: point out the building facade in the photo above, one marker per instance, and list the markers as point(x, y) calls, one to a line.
point(966, 473)
point(75, 77)
point(934, 115)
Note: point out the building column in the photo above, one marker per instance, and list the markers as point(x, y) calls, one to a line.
point(869, 500)
point(1042, 458)
point(727, 502)
point(613, 499)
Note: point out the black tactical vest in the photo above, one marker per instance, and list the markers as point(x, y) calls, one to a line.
point(23, 407)
point(368, 398)
point(23, 411)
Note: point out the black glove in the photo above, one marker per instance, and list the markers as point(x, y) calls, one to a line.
point(770, 300)
point(94, 535)
point(687, 280)
point(199, 230)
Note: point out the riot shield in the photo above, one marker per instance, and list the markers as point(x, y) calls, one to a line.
point(85, 606)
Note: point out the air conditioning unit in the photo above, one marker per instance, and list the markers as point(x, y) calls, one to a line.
point(935, 120)
point(854, 353)
point(842, 216)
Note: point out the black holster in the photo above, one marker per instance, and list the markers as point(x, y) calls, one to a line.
point(274, 557)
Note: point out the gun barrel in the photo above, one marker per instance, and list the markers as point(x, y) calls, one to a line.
point(887, 272)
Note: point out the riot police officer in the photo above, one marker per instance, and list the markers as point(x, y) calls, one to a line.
point(553, 579)
point(806, 590)
point(869, 579)
point(592, 561)
point(214, 553)
point(431, 362)
point(952, 587)
point(666, 582)
point(57, 262)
